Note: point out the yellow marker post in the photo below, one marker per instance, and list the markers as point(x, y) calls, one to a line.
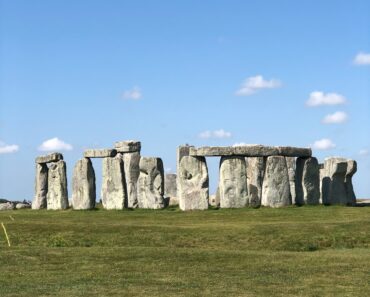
point(6, 234)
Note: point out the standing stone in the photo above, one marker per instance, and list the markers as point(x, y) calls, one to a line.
point(151, 183)
point(336, 181)
point(233, 182)
point(113, 191)
point(193, 183)
point(131, 163)
point(41, 186)
point(83, 185)
point(291, 163)
point(275, 187)
point(307, 181)
point(170, 187)
point(351, 170)
point(255, 173)
point(57, 196)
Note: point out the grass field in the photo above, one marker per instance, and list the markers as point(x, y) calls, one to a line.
point(295, 251)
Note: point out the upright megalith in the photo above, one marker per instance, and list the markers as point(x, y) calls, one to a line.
point(41, 186)
point(131, 162)
point(129, 150)
point(57, 196)
point(351, 170)
point(83, 185)
point(307, 183)
point(291, 163)
point(113, 190)
point(170, 187)
point(151, 183)
point(255, 173)
point(336, 183)
point(193, 183)
point(233, 182)
point(275, 187)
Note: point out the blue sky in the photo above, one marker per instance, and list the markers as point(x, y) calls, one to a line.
point(90, 73)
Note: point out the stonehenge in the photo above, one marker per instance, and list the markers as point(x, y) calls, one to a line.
point(151, 183)
point(276, 186)
point(113, 190)
point(57, 195)
point(249, 175)
point(307, 181)
point(193, 183)
point(83, 185)
point(336, 181)
point(233, 182)
point(50, 183)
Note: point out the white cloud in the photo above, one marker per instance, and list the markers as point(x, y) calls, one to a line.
point(133, 94)
point(55, 144)
point(240, 144)
point(362, 59)
point(364, 152)
point(338, 117)
point(214, 134)
point(323, 144)
point(8, 148)
point(320, 98)
point(252, 84)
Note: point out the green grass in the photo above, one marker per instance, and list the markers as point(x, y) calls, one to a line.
point(306, 251)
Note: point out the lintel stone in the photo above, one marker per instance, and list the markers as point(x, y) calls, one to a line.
point(250, 151)
point(128, 146)
point(100, 153)
point(53, 157)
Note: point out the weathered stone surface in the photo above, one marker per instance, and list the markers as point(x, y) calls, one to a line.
point(6, 206)
point(113, 190)
point(128, 146)
point(57, 196)
point(83, 185)
point(250, 151)
point(275, 187)
point(41, 186)
point(173, 201)
point(233, 182)
point(255, 173)
point(336, 183)
point(53, 157)
point(131, 163)
point(182, 151)
point(307, 181)
point(351, 170)
point(100, 153)
point(193, 183)
point(290, 151)
point(22, 205)
point(170, 185)
point(151, 183)
point(291, 164)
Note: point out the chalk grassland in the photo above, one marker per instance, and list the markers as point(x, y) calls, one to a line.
point(306, 251)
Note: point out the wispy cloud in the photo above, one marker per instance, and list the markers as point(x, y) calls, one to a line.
point(55, 144)
point(318, 98)
point(363, 152)
point(133, 94)
point(214, 134)
point(362, 59)
point(8, 148)
point(338, 117)
point(323, 144)
point(252, 84)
